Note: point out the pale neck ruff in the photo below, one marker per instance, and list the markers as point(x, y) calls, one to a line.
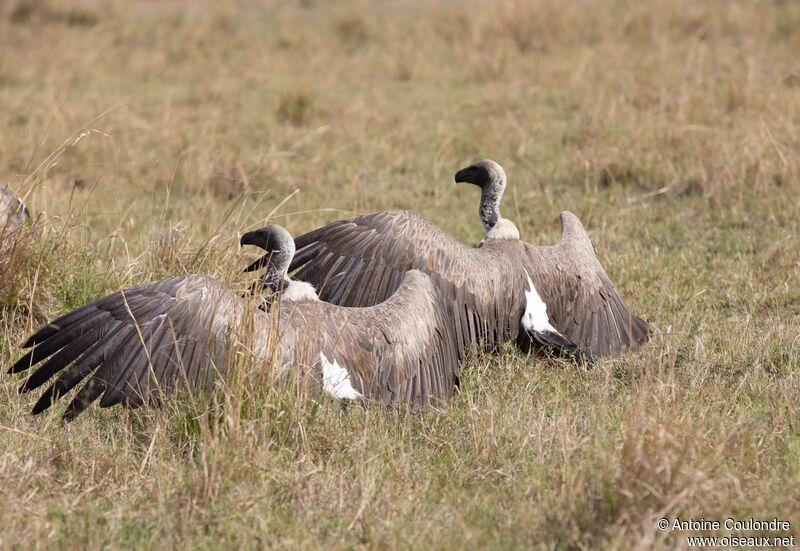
point(503, 229)
point(296, 291)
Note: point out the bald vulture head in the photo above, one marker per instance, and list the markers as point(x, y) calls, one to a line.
point(280, 248)
point(279, 245)
point(491, 178)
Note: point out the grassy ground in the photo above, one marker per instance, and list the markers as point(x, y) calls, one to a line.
point(147, 136)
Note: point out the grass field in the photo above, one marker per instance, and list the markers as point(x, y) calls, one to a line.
point(146, 137)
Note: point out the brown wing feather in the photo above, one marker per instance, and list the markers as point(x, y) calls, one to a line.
point(402, 350)
point(417, 341)
point(135, 346)
point(361, 262)
point(583, 303)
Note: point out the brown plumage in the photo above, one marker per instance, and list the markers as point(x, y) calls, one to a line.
point(361, 261)
point(137, 345)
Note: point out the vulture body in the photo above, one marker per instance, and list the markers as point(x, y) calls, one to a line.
point(502, 290)
point(136, 346)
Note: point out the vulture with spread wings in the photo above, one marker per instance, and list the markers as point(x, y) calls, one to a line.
point(560, 295)
point(136, 346)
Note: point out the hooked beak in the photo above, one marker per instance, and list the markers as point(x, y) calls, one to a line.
point(463, 175)
point(255, 238)
point(252, 238)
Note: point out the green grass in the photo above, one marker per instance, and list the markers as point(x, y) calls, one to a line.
point(672, 129)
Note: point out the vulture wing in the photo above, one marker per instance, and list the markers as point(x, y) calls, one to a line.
point(402, 350)
point(136, 345)
point(582, 302)
point(361, 262)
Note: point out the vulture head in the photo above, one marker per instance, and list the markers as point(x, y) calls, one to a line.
point(491, 178)
point(280, 248)
point(485, 173)
point(279, 245)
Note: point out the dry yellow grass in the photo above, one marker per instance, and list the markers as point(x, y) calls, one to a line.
point(671, 128)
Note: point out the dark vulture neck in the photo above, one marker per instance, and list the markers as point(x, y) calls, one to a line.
point(277, 284)
point(275, 277)
point(490, 203)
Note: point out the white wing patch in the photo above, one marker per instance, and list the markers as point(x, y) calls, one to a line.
point(299, 290)
point(336, 380)
point(535, 316)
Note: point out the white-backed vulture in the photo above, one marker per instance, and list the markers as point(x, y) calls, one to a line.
point(491, 289)
point(135, 346)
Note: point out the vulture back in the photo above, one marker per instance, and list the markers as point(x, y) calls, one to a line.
point(360, 262)
point(401, 350)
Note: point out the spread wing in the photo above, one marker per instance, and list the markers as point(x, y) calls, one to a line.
point(361, 262)
point(402, 350)
point(582, 302)
point(136, 345)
